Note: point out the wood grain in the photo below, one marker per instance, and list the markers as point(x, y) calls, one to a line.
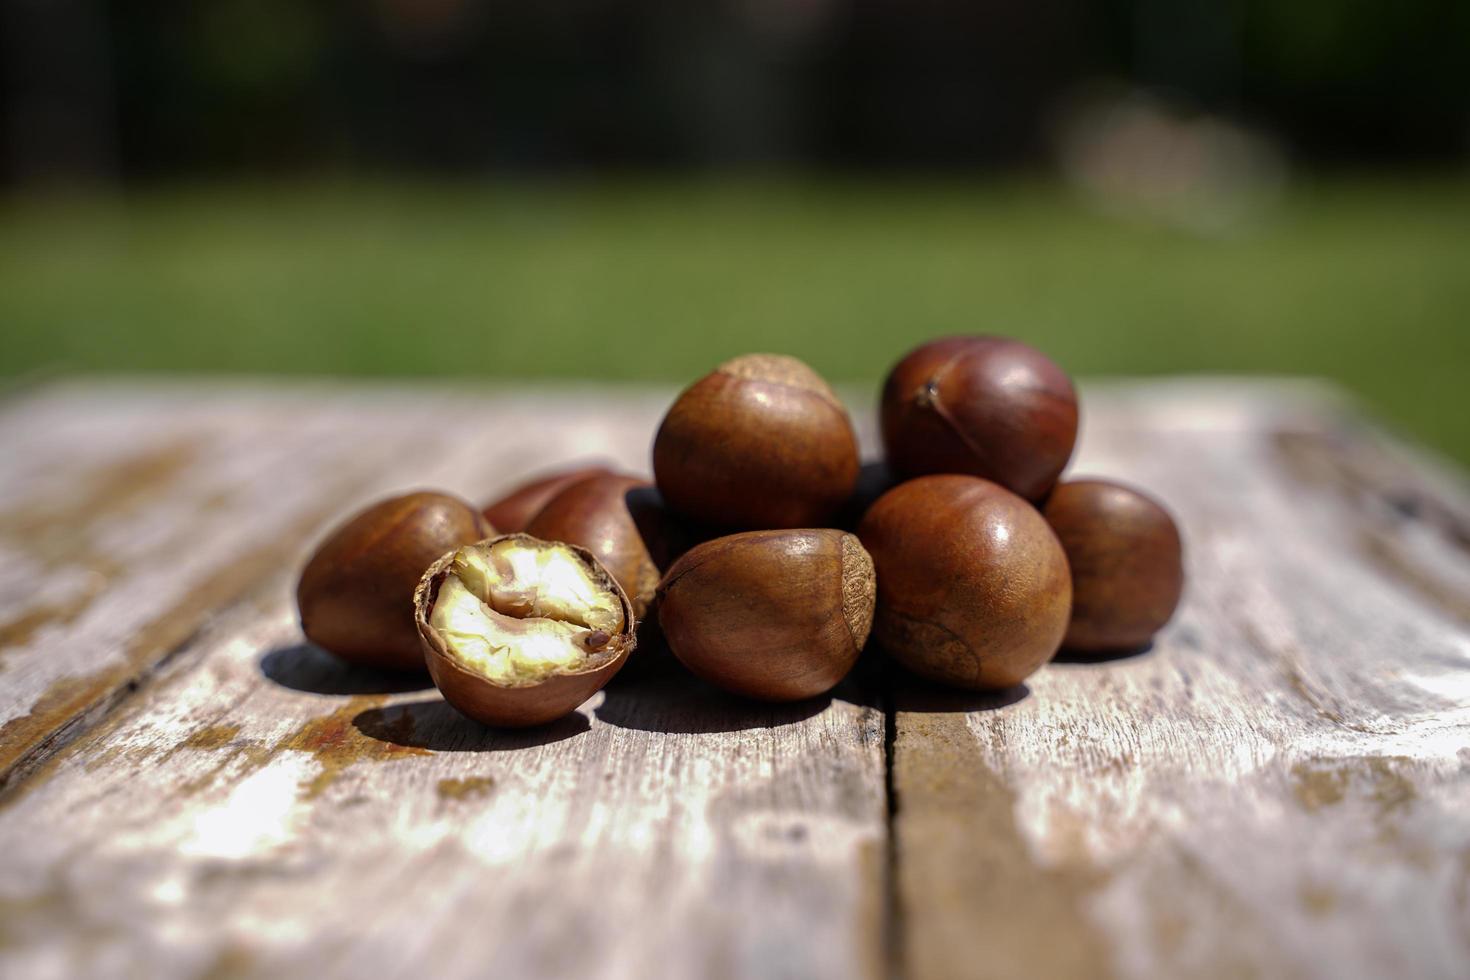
point(1278, 787)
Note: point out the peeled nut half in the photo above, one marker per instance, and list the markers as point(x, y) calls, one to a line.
point(518, 631)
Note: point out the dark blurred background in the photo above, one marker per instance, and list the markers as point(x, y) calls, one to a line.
point(636, 190)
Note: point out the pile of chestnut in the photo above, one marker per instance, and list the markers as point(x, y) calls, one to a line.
point(764, 553)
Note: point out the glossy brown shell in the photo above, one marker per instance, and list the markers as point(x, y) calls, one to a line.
point(986, 406)
point(504, 706)
point(1127, 563)
point(761, 442)
point(514, 511)
point(775, 615)
point(973, 588)
point(594, 513)
point(355, 594)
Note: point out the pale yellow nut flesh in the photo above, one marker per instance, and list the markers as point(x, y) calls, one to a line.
point(517, 614)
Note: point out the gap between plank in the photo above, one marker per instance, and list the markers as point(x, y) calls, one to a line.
point(13, 781)
point(893, 912)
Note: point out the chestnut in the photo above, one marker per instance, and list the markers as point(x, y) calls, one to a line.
point(514, 511)
point(1127, 563)
point(595, 513)
point(356, 592)
point(518, 631)
point(760, 442)
point(986, 406)
point(776, 615)
point(973, 587)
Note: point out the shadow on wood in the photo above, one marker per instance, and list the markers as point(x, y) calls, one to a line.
point(434, 725)
point(913, 693)
point(1083, 657)
point(688, 706)
point(308, 668)
point(650, 660)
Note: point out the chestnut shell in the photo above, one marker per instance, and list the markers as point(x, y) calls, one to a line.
point(595, 513)
point(776, 615)
point(986, 406)
point(355, 594)
point(514, 510)
point(760, 442)
point(973, 588)
point(519, 706)
point(1127, 563)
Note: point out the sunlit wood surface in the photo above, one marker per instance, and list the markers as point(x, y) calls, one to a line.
point(1279, 786)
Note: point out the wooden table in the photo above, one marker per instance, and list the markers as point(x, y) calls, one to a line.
point(1281, 786)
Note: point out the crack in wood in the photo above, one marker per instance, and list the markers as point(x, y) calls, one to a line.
point(894, 948)
point(970, 869)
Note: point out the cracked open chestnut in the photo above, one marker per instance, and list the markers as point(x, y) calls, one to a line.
point(760, 442)
point(513, 511)
point(356, 591)
point(518, 631)
point(1126, 559)
point(973, 588)
point(776, 615)
point(986, 406)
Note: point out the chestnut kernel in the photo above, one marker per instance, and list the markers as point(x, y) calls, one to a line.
point(1127, 563)
point(776, 615)
point(973, 588)
point(595, 513)
point(986, 406)
point(356, 591)
point(514, 511)
point(518, 631)
point(760, 442)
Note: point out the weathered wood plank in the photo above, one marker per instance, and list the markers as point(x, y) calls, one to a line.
point(268, 812)
point(128, 514)
point(1279, 787)
point(258, 809)
point(1276, 787)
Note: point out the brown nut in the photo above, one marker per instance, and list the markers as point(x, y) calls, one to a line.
point(356, 592)
point(973, 587)
point(761, 442)
point(987, 406)
point(518, 631)
point(1127, 563)
point(775, 615)
point(595, 513)
point(514, 511)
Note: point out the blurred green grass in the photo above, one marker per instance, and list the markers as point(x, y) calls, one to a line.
point(1366, 282)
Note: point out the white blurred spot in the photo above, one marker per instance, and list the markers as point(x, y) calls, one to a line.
point(1134, 155)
